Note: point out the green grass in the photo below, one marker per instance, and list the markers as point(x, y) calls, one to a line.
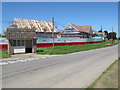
point(4, 54)
point(73, 48)
point(107, 79)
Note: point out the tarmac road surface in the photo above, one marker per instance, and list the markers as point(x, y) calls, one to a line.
point(76, 70)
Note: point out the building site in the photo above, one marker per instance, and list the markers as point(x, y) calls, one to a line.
point(26, 35)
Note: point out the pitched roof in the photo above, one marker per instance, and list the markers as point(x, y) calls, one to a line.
point(83, 28)
point(20, 33)
point(37, 25)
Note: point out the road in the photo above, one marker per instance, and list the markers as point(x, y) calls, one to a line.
point(76, 70)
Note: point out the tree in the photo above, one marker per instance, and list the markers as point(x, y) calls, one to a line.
point(119, 38)
point(106, 33)
point(100, 31)
point(2, 35)
point(112, 35)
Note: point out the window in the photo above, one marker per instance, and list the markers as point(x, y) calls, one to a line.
point(14, 42)
point(23, 43)
point(18, 42)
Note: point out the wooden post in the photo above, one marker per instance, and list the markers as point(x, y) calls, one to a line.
point(10, 47)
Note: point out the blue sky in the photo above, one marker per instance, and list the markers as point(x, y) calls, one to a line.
point(78, 13)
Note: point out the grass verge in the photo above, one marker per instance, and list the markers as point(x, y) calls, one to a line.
point(108, 79)
point(4, 54)
point(73, 48)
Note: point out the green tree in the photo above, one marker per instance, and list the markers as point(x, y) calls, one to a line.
point(100, 31)
point(106, 33)
point(119, 38)
point(112, 35)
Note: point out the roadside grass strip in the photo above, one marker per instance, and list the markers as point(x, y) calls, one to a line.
point(108, 79)
point(73, 48)
point(64, 49)
point(4, 54)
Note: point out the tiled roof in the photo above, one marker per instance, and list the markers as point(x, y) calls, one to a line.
point(19, 33)
point(83, 28)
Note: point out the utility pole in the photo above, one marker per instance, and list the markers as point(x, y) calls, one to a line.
point(101, 32)
point(101, 28)
point(112, 35)
point(53, 31)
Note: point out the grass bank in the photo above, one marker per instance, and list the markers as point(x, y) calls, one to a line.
point(4, 54)
point(73, 48)
point(108, 79)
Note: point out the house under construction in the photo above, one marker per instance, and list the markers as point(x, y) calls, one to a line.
point(42, 28)
point(26, 35)
point(39, 26)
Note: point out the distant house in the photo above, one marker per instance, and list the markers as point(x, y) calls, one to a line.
point(78, 31)
point(72, 27)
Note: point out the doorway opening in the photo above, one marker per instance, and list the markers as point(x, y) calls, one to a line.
point(28, 48)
